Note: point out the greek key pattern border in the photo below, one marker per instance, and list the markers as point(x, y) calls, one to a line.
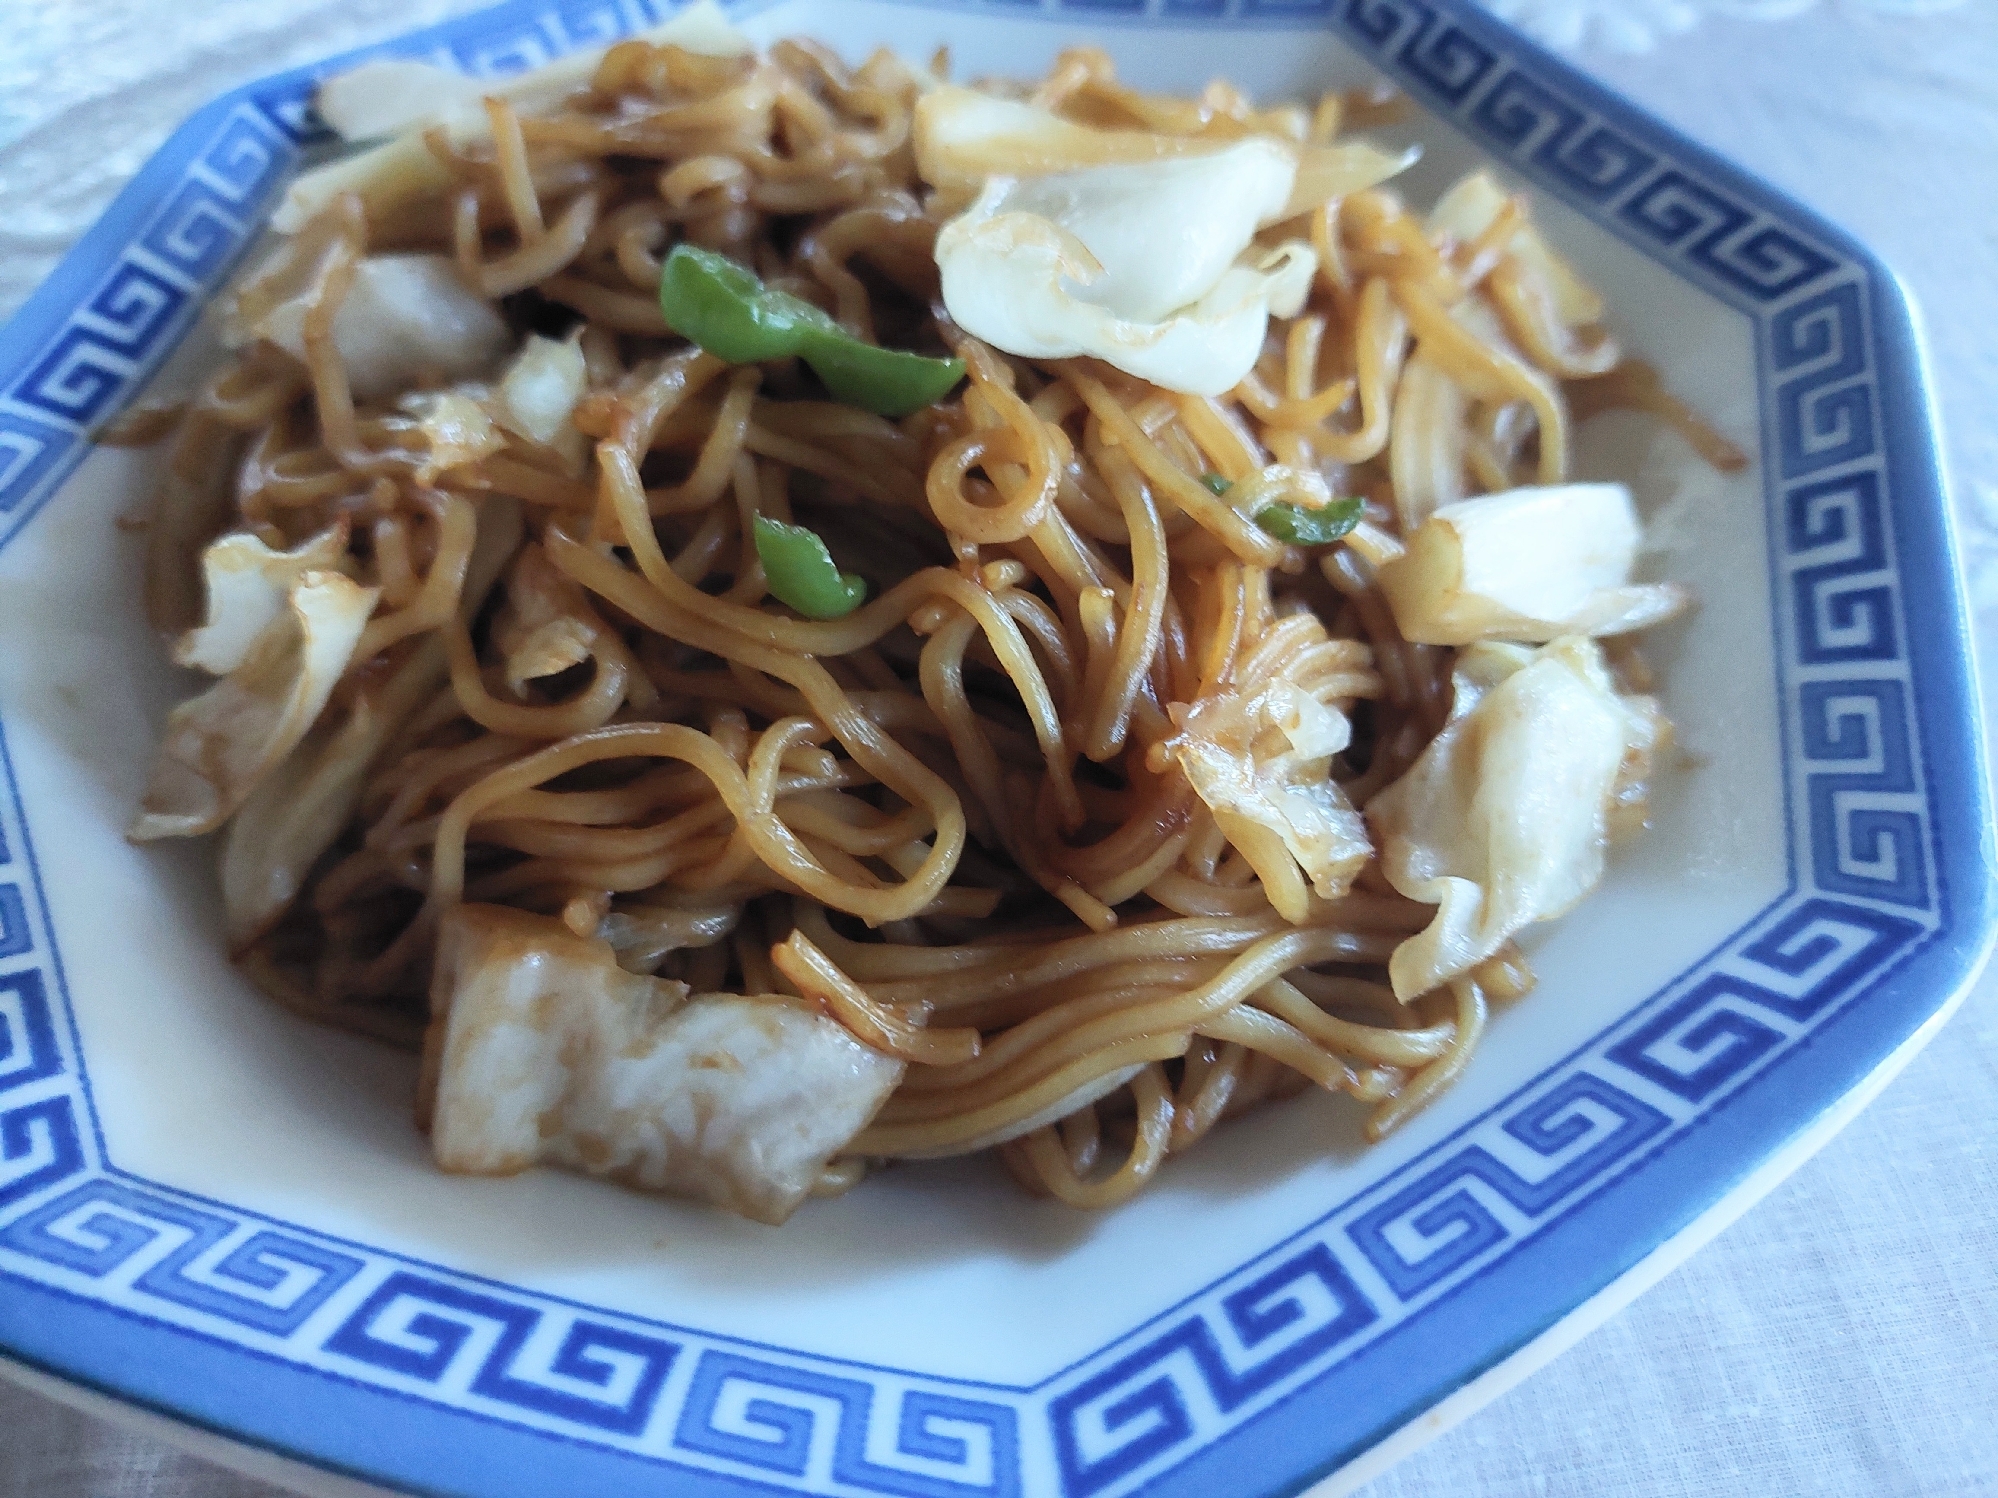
point(1868, 891)
point(46, 1136)
point(132, 308)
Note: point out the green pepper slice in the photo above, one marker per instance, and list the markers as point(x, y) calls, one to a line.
point(1319, 527)
point(726, 309)
point(801, 572)
point(1294, 523)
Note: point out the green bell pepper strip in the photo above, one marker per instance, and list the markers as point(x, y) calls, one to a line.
point(801, 572)
point(1319, 527)
point(1296, 524)
point(729, 312)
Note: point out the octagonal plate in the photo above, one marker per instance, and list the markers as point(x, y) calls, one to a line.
point(212, 1210)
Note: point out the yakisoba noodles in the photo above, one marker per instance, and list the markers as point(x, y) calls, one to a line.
point(1199, 736)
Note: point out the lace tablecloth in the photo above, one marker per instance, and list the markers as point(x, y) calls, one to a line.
point(1843, 1336)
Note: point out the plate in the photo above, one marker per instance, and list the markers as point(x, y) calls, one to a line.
point(213, 1211)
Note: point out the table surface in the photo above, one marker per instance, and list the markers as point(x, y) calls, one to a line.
point(1843, 1336)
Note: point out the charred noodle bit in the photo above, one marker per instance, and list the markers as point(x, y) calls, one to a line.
point(1174, 698)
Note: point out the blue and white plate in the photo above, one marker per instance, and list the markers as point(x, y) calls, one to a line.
point(215, 1212)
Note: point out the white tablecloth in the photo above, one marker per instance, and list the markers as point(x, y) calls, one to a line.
point(1843, 1336)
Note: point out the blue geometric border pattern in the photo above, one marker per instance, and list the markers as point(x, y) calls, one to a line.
point(1868, 892)
point(45, 1138)
point(129, 314)
point(1382, 1259)
point(122, 323)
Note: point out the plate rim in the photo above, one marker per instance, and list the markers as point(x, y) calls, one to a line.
point(267, 1465)
point(1431, 47)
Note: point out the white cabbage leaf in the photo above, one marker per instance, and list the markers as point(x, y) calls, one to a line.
point(1137, 265)
point(1128, 245)
point(1526, 564)
point(296, 812)
point(456, 428)
point(246, 585)
point(219, 745)
point(964, 136)
point(390, 179)
point(546, 624)
point(543, 1050)
point(396, 98)
point(292, 817)
point(538, 391)
point(1261, 760)
point(405, 318)
point(391, 95)
point(1504, 820)
point(643, 936)
point(1469, 208)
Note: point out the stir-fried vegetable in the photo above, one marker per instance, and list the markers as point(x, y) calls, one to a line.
point(547, 1050)
point(1506, 817)
point(1301, 525)
point(801, 571)
point(1528, 564)
point(1135, 247)
point(729, 312)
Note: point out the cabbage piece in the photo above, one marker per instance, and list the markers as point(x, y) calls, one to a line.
point(1162, 233)
point(1123, 244)
point(1261, 759)
point(246, 584)
point(291, 818)
point(1504, 819)
point(542, 1049)
point(546, 624)
point(643, 936)
point(219, 745)
point(1137, 265)
point(392, 97)
point(298, 810)
point(702, 28)
point(394, 181)
point(1469, 208)
point(388, 95)
point(963, 136)
point(540, 388)
point(455, 426)
point(405, 317)
point(1527, 564)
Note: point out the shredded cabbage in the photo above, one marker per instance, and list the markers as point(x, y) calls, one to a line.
point(219, 745)
point(404, 318)
point(1261, 760)
point(1504, 820)
point(1127, 245)
point(547, 1051)
point(247, 584)
point(1527, 564)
